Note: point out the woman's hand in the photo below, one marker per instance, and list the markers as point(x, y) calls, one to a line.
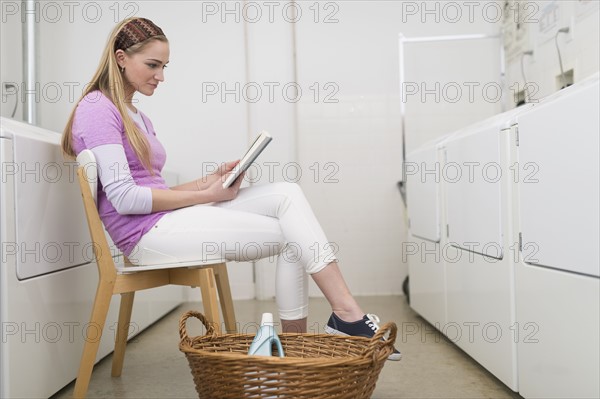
point(216, 191)
point(188, 194)
point(206, 181)
point(226, 168)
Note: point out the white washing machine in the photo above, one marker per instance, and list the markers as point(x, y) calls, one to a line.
point(516, 221)
point(424, 250)
point(47, 277)
point(479, 266)
point(557, 274)
point(462, 280)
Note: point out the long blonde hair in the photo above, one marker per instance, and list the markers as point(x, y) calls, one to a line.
point(109, 80)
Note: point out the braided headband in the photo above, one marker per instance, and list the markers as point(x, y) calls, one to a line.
point(136, 31)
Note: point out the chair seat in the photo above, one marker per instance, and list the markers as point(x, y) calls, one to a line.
point(129, 268)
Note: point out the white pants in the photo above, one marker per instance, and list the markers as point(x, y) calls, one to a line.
point(262, 221)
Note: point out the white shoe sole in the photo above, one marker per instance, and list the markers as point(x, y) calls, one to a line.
point(332, 331)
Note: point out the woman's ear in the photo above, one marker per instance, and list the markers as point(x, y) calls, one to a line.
point(120, 56)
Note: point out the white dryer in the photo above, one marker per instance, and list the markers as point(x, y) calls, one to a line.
point(424, 250)
point(557, 274)
point(479, 267)
point(515, 218)
point(47, 277)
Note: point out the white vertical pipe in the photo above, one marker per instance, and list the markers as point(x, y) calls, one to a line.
point(29, 61)
point(401, 39)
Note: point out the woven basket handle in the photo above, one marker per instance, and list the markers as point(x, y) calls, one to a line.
point(210, 329)
point(378, 341)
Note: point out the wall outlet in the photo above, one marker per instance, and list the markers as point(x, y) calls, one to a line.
point(567, 80)
point(520, 98)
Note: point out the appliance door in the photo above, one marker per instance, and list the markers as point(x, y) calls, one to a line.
point(423, 193)
point(51, 233)
point(472, 177)
point(423, 251)
point(559, 189)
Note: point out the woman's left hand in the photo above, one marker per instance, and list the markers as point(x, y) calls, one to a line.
point(226, 167)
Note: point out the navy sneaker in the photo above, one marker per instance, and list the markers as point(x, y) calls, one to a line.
point(366, 327)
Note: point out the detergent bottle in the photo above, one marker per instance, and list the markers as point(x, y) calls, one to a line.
point(265, 337)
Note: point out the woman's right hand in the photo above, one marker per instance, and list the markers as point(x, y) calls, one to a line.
point(164, 200)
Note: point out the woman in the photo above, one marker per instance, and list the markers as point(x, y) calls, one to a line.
point(152, 223)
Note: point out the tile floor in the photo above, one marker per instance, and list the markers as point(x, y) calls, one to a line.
point(432, 366)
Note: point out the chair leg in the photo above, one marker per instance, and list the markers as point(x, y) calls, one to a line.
point(90, 348)
point(209, 297)
point(225, 298)
point(122, 332)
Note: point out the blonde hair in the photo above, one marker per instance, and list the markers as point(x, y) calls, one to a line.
point(109, 80)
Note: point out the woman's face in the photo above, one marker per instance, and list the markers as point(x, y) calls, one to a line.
point(145, 69)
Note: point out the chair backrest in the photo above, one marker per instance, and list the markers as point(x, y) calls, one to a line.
point(87, 174)
point(87, 161)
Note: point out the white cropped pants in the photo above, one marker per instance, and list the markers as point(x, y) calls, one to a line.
point(262, 221)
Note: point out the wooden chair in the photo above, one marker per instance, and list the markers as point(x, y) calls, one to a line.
point(210, 276)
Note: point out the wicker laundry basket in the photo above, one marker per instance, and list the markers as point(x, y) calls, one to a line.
point(315, 366)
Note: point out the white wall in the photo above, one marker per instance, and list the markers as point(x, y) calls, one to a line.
point(348, 138)
point(200, 130)
point(358, 137)
point(348, 146)
point(450, 84)
point(11, 61)
point(540, 22)
point(197, 133)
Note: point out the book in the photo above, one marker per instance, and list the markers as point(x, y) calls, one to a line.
point(261, 142)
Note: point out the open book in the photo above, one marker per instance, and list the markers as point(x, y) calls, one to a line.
point(263, 139)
